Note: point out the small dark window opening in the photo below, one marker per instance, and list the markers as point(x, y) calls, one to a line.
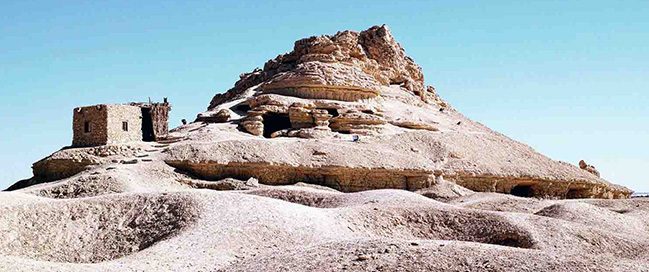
point(275, 122)
point(125, 126)
point(522, 191)
point(86, 127)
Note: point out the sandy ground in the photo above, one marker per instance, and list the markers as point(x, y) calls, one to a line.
point(147, 220)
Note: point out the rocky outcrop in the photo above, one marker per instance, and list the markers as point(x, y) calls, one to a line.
point(589, 168)
point(253, 124)
point(363, 83)
point(414, 125)
point(227, 184)
point(220, 116)
point(342, 178)
point(347, 66)
point(356, 122)
point(316, 79)
point(301, 115)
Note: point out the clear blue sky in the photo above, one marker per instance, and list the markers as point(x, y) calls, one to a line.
point(571, 79)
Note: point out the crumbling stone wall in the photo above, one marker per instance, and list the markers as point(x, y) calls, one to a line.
point(117, 116)
point(160, 119)
point(89, 126)
point(155, 119)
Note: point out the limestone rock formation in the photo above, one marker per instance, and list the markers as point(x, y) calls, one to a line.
point(285, 183)
point(360, 87)
point(221, 116)
point(347, 66)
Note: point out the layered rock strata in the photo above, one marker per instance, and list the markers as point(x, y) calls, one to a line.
point(363, 84)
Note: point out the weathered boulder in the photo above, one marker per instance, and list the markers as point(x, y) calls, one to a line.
point(221, 116)
point(321, 117)
point(589, 168)
point(300, 116)
point(253, 124)
point(354, 122)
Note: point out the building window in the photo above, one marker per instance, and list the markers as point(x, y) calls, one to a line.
point(86, 127)
point(125, 126)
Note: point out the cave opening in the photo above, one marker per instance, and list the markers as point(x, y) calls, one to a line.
point(241, 108)
point(522, 191)
point(332, 112)
point(576, 193)
point(274, 122)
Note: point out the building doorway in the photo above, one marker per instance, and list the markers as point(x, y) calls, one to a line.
point(147, 126)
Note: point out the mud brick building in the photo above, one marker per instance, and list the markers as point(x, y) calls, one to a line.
point(116, 123)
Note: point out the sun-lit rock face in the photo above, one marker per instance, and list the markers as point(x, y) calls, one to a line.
point(324, 83)
point(208, 197)
point(354, 92)
point(347, 66)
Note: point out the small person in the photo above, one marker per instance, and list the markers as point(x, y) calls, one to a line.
point(356, 138)
point(183, 121)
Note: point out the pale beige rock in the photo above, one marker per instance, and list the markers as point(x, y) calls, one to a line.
point(414, 125)
point(347, 66)
point(353, 120)
point(324, 74)
point(300, 116)
point(169, 213)
point(221, 116)
point(321, 118)
point(253, 125)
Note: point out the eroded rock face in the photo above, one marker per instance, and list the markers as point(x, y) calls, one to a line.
point(347, 66)
point(221, 116)
point(354, 87)
point(322, 77)
point(356, 122)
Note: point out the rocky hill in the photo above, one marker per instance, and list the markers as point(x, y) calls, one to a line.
point(331, 87)
point(334, 156)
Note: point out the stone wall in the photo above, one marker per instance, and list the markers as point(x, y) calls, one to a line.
point(95, 117)
point(117, 115)
point(160, 119)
